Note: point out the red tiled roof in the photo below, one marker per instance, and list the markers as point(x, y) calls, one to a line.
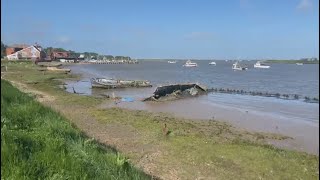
point(59, 54)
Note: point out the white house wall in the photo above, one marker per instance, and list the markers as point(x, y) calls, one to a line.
point(13, 56)
point(29, 52)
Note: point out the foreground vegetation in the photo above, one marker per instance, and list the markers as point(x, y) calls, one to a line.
point(38, 143)
point(184, 149)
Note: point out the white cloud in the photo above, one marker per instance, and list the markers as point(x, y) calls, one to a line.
point(304, 5)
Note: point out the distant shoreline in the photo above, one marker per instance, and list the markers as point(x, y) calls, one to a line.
point(292, 61)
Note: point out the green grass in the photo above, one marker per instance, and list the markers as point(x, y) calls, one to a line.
point(38, 143)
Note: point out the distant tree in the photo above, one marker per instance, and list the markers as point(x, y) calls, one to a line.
point(48, 50)
point(119, 57)
point(122, 58)
point(89, 55)
point(60, 49)
point(3, 49)
point(74, 54)
point(109, 57)
point(100, 57)
point(86, 55)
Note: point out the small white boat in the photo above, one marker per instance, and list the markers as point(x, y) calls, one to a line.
point(190, 64)
point(212, 63)
point(258, 64)
point(299, 64)
point(172, 62)
point(237, 66)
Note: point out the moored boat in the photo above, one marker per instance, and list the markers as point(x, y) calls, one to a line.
point(212, 63)
point(115, 83)
point(237, 66)
point(299, 64)
point(190, 64)
point(258, 64)
point(172, 62)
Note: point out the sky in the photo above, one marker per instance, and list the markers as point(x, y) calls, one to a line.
point(198, 29)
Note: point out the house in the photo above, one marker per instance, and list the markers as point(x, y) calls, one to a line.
point(62, 56)
point(57, 55)
point(81, 57)
point(33, 52)
point(65, 56)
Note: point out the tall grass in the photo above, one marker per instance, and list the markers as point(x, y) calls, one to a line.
point(38, 143)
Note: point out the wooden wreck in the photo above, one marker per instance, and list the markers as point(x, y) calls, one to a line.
point(177, 91)
point(114, 83)
point(58, 69)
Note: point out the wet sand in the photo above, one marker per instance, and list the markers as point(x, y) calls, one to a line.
point(305, 134)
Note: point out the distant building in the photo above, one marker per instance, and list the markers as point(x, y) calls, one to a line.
point(57, 55)
point(25, 52)
point(63, 56)
point(309, 59)
point(81, 57)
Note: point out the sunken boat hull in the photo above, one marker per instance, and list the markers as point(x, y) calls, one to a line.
point(177, 91)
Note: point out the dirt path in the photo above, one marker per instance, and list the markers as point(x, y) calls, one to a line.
point(124, 138)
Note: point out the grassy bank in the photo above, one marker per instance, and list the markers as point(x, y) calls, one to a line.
point(38, 143)
point(186, 149)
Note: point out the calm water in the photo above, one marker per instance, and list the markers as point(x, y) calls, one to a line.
point(280, 78)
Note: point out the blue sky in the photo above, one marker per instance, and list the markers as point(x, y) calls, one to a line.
point(219, 29)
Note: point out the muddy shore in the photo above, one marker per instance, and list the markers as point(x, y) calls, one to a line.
point(305, 134)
